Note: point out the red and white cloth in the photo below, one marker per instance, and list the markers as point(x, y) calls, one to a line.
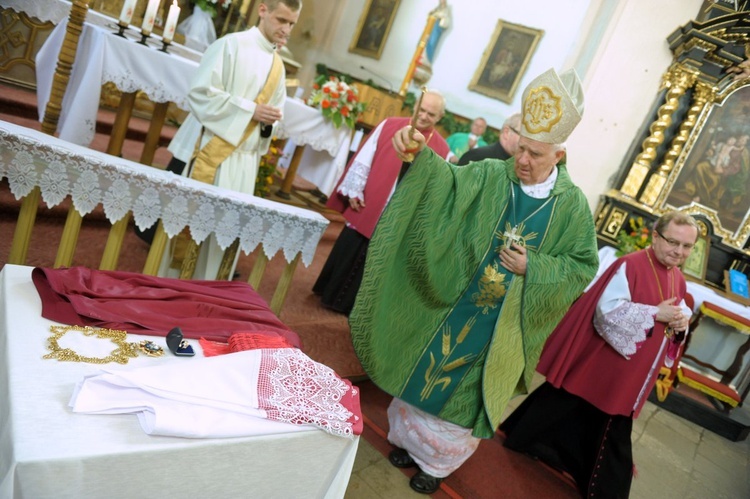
point(253, 392)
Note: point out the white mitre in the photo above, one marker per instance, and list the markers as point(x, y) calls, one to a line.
point(552, 106)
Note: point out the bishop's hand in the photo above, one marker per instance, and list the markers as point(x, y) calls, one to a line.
point(514, 259)
point(407, 142)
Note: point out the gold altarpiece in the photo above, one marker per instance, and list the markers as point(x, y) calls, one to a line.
point(693, 155)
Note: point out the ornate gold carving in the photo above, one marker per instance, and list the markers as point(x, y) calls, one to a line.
point(701, 96)
point(677, 80)
point(653, 189)
point(20, 37)
point(614, 222)
point(702, 228)
point(635, 179)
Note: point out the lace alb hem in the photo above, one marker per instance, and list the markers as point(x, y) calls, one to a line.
point(625, 327)
point(295, 389)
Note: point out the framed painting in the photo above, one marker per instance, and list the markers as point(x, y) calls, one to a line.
point(714, 177)
point(696, 263)
point(373, 27)
point(505, 60)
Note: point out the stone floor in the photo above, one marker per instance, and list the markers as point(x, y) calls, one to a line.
point(674, 459)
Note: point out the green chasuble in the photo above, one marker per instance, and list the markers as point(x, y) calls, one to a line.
point(432, 278)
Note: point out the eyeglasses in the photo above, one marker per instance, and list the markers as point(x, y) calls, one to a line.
point(514, 130)
point(672, 243)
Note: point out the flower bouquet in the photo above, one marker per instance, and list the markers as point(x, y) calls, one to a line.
point(638, 238)
point(338, 101)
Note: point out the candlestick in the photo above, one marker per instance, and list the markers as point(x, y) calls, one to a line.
point(169, 27)
point(127, 12)
point(164, 45)
point(121, 27)
point(149, 17)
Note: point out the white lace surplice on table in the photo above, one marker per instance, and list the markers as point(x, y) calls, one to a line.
point(247, 393)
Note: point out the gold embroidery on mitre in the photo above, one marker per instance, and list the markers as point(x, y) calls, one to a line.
point(542, 110)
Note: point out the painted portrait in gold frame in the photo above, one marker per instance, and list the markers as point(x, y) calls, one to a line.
point(505, 60)
point(373, 27)
point(714, 176)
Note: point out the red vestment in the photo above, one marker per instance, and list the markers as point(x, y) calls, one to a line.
point(577, 359)
point(143, 304)
point(384, 172)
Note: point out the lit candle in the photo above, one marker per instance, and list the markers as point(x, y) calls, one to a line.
point(149, 17)
point(127, 11)
point(172, 16)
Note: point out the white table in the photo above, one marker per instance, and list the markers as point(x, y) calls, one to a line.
point(46, 451)
point(104, 57)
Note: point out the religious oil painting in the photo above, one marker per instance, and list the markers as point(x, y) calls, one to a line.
point(373, 27)
point(505, 60)
point(716, 169)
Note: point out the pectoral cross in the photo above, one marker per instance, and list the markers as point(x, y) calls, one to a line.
point(511, 237)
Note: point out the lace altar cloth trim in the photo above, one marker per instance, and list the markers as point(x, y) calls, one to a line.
point(295, 389)
point(29, 158)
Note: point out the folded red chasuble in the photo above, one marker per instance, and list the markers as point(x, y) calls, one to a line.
point(143, 304)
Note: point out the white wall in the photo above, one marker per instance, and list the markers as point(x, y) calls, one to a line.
point(460, 51)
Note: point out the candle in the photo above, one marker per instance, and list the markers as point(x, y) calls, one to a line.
point(127, 12)
point(172, 16)
point(149, 17)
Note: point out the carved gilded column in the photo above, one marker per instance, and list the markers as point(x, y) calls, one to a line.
point(676, 81)
point(680, 80)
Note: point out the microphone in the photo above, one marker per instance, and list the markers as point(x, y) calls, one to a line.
point(388, 83)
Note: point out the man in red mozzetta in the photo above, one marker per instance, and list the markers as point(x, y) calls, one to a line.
point(603, 360)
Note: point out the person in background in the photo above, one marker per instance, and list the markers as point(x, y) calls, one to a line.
point(237, 95)
point(505, 147)
point(461, 142)
point(603, 360)
point(469, 270)
point(361, 196)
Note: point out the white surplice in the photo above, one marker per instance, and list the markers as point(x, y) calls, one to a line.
point(232, 73)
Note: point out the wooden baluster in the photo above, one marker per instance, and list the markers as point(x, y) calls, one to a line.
point(282, 287)
point(256, 275)
point(114, 243)
point(156, 253)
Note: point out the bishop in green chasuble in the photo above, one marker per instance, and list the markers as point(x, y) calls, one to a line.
point(438, 315)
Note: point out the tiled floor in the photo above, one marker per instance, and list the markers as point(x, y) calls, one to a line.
point(674, 459)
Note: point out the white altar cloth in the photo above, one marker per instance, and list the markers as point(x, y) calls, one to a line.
point(46, 451)
point(29, 158)
point(326, 148)
point(104, 57)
